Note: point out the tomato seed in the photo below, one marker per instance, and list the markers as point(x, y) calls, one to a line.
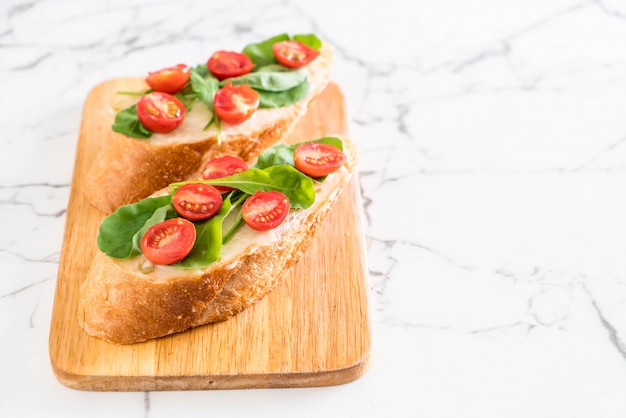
point(293, 55)
point(172, 110)
point(152, 110)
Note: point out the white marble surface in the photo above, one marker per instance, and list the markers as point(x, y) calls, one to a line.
point(493, 171)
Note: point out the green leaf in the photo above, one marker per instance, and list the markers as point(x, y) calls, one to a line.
point(133, 93)
point(201, 69)
point(273, 81)
point(277, 86)
point(261, 53)
point(271, 99)
point(309, 39)
point(280, 154)
point(127, 123)
point(208, 245)
point(330, 140)
point(238, 222)
point(273, 68)
point(204, 85)
point(298, 187)
point(118, 229)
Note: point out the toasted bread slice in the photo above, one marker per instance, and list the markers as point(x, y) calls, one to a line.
point(128, 169)
point(122, 305)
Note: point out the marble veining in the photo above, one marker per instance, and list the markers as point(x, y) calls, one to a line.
point(492, 143)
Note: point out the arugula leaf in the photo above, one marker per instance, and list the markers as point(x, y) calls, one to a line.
point(309, 40)
point(208, 245)
point(134, 93)
point(238, 221)
point(202, 70)
point(203, 84)
point(330, 140)
point(127, 123)
point(118, 229)
point(271, 99)
point(273, 68)
point(279, 154)
point(274, 81)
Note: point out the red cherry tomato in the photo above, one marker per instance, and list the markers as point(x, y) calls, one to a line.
point(197, 201)
point(169, 241)
point(169, 80)
point(226, 64)
point(316, 159)
point(160, 112)
point(223, 167)
point(265, 210)
point(294, 54)
point(235, 104)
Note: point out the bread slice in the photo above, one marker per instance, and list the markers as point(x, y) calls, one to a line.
point(122, 305)
point(128, 169)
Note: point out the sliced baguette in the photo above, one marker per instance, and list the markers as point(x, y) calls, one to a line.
point(128, 169)
point(120, 304)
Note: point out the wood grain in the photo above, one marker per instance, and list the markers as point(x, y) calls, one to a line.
point(313, 330)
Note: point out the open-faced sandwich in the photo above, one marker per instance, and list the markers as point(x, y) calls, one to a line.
point(205, 249)
point(166, 125)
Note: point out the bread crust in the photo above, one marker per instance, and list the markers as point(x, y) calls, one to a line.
point(261, 272)
point(121, 305)
point(128, 169)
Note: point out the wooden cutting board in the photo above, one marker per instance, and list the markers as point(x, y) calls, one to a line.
point(313, 330)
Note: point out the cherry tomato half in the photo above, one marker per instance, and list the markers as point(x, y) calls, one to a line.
point(226, 64)
point(235, 104)
point(316, 159)
point(160, 112)
point(197, 201)
point(169, 80)
point(223, 167)
point(265, 210)
point(169, 241)
point(294, 54)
